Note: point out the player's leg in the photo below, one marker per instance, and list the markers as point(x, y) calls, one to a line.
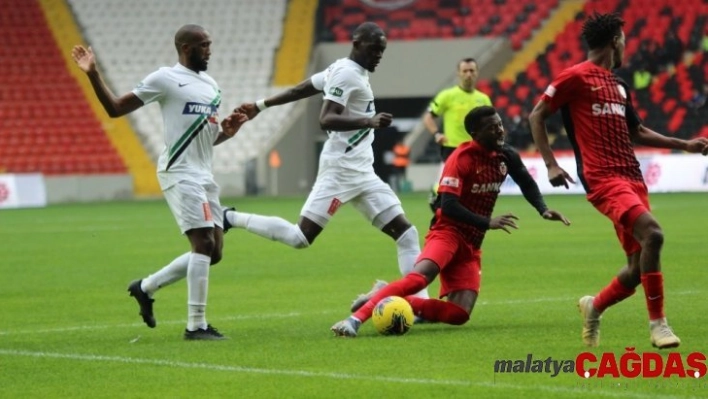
point(648, 233)
point(440, 248)
point(380, 205)
point(460, 280)
point(423, 274)
point(324, 200)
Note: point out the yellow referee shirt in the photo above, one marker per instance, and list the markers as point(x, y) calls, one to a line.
point(453, 105)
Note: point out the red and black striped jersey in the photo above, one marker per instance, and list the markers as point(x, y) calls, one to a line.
point(597, 112)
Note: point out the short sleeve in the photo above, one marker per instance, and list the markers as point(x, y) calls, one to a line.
point(339, 86)
point(487, 101)
point(151, 89)
point(452, 176)
point(318, 80)
point(437, 105)
point(561, 90)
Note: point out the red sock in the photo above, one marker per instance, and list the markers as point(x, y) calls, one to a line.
point(653, 284)
point(408, 285)
point(613, 293)
point(437, 310)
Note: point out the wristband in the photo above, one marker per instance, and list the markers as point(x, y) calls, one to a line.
point(260, 104)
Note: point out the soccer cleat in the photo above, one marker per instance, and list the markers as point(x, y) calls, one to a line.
point(591, 321)
point(363, 298)
point(204, 334)
point(346, 328)
point(144, 301)
point(662, 336)
point(227, 225)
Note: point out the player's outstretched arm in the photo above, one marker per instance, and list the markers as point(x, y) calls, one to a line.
point(645, 136)
point(550, 214)
point(332, 118)
point(537, 120)
point(302, 90)
point(114, 106)
point(451, 207)
point(230, 126)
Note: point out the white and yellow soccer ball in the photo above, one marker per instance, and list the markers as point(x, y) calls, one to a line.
point(393, 315)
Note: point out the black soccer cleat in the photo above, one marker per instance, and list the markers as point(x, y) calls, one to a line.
point(144, 301)
point(227, 225)
point(204, 334)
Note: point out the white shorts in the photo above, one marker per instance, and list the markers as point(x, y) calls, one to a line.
point(336, 186)
point(195, 205)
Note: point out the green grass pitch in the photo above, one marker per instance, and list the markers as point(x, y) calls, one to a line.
point(69, 329)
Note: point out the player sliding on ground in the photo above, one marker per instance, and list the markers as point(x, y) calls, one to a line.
point(469, 188)
point(346, 172)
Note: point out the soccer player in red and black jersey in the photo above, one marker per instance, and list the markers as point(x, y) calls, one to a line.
point(601, 123)
point(469, 187)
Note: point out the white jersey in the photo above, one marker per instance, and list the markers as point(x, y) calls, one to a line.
point(347, 83)
point(189, 102)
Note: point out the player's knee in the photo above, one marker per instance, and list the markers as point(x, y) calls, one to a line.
point(204, 244)
point(654, 237)
point(216, 257)
point(457, 315)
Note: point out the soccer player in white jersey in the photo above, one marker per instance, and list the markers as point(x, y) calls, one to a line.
point(346, 172)
point(189, 100)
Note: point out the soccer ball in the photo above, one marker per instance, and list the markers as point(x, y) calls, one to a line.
point(393, 315)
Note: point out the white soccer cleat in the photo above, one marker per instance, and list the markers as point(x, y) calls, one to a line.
point(662, 336)
point(346, 328)
point(591, 321)
point(363, 298)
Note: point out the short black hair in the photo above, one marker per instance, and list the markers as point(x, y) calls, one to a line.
point(474, 117)
point(367, 32)
point(600, 29)
point(468, 59)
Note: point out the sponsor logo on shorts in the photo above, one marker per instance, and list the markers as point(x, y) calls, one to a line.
point(207, 211)
point(336, 203)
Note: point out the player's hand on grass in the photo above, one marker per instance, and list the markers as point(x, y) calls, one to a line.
point(504, 222)
point(550, 214)
point(559, 177)
point(699, 145)
point(380, 120)
point(84, 58)
point(232, 123)
point(250, 109)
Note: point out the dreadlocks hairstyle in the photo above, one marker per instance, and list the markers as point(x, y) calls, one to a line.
point(600, 29)
point(474, 117)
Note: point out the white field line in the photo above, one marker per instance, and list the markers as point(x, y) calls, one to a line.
point(265, 316)
point(620, 393)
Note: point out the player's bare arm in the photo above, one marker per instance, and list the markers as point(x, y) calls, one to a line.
point(332, 118)
point(537, 120)
point(302, 90)
point(645, 136)
point(432, 126)
point(230, 126)
point(114, 106)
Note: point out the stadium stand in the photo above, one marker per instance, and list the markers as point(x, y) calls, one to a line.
point(441, 19)
point(663, 35)
point(46, 124)
point(245, 36)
